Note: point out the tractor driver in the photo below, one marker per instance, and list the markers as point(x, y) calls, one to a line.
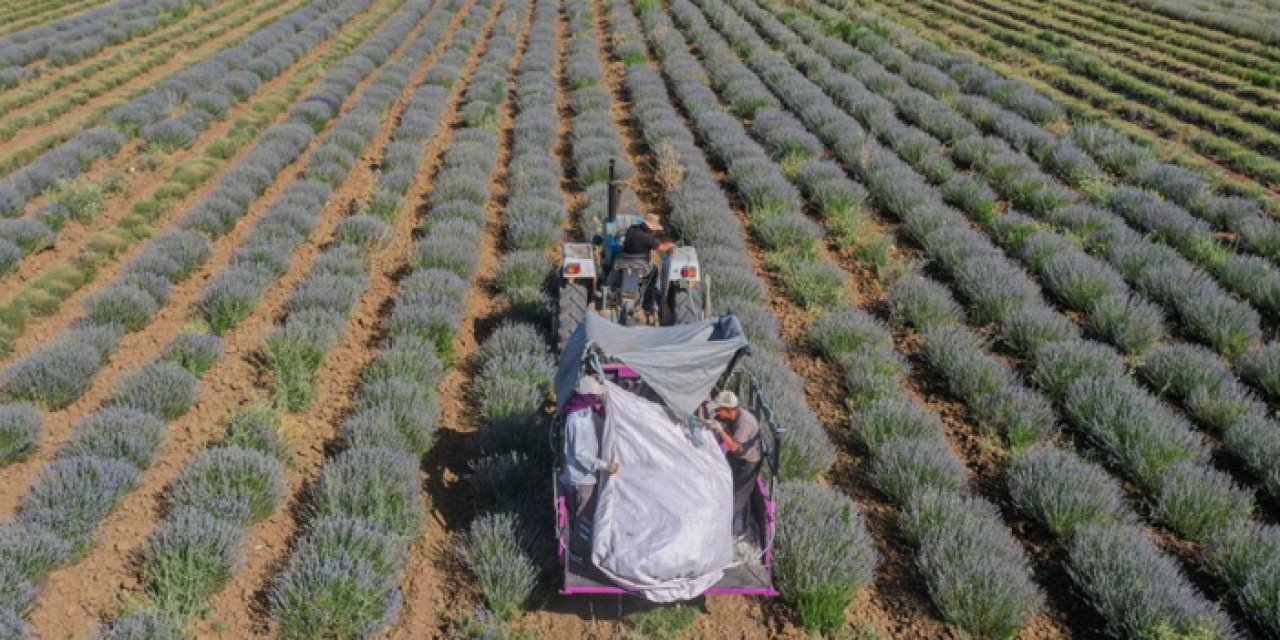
point(739, 431)
point(640, 240)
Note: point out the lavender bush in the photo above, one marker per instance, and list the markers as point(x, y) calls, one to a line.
point(116, 433)
point(188, 558)
point(20, 429)
point(235, 485)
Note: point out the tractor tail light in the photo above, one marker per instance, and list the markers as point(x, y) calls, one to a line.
point(689, 272)
point(573, 269)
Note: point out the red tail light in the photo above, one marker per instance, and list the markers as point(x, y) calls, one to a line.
point(573, 269)
point(689, 272)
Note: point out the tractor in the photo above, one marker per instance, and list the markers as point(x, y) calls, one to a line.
point(597, 277)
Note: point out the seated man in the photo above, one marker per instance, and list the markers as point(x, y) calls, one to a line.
point(583, 416)
point(639, 241)
point(740, 434)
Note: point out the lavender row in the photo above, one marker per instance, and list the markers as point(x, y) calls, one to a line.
point(24, 236)
point(961, 540)
point(82, 35)
point(1088, 286)
point(535, 210)
point(1166, 439)
point(594, 143)
point(318, 309)
point(204, 92)
point(1144, 439)
point(266, 253)
point(72, 496)
point(97, 467)
point(700, 210)
point(823, 556)
point(1204, 308)
point(514, 364)
point(772, 203)
point(1082, 283)
point(60, 372)
point(1019, 415)
point(366, 507)
point(224, 79)
point(1113, 151)
point(197, 547)
point(595, 140)
point(1172, 600)
point(1253, 278)
point(500, 547)
point(1095, 288)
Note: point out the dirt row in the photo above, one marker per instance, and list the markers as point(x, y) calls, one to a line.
point(309, 433)
point(1168, 143)
point(142, 180)
point(986, 457)
point(234, 382)
point(138, 347)
point(898, 602)
point(52, 10)
point(732, 617)
point(436, 588)
point(88, 114)
point(165, 47)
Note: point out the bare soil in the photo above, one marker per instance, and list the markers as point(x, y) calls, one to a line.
point(436, 587)
point(84, 115)
point(66, 608)
point(135, 348)
point(142, 174)
point(77, 74)
point(241, 605)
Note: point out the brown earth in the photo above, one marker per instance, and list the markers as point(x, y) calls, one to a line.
point(172, 38)
point(143, 174)
point(67, 606)
point(85, 115)
point(135, 348)
point(436, 586)
point(240, 606)
point(52, 11)
point(1033, 72)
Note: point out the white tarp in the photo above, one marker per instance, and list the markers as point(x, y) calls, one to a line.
point(681, 363)
point(663, 525)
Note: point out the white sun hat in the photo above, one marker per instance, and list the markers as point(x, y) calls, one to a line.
point(726, 400)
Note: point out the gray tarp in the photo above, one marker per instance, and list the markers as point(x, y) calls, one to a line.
point(664, 524)
point(681, 363)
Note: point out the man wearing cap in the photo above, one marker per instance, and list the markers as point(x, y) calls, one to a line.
point(739, 431)
point(640, 240)
point(583, 416)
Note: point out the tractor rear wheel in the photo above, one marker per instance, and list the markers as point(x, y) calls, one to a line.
point(686, 306)
point(571, 308)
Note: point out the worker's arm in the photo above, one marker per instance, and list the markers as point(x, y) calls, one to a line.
point(725, 437)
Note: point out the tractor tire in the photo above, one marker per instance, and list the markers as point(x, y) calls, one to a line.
point(686, 306)
point(571, 308)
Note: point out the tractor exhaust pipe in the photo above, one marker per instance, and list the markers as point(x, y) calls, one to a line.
point(613, 191)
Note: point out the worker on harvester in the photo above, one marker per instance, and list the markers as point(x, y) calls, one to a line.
point(584, 417)
point(637, 244)
point(739, 433)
